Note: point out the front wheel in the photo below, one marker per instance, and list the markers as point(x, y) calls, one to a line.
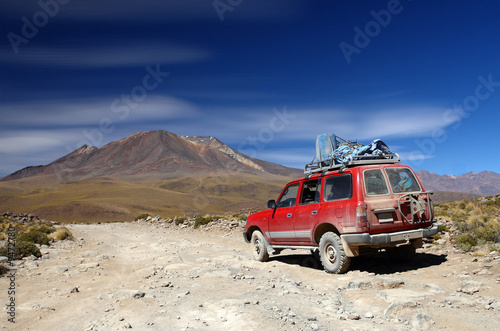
point(332, 255)
point(259, 248)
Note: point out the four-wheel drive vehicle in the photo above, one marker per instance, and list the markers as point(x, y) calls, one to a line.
point(345, 212)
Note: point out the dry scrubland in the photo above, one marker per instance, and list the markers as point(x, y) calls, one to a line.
point(114, 200)
point(163, 274)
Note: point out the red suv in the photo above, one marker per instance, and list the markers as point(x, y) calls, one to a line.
point(343, 212)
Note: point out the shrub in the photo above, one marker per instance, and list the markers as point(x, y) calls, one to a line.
point(35, 237)
point(3, 270)
point(46, 229)
point(141, 217)
point(443, 228)
point(62, 233)
point(179, 220)
point(202, 221)
point(22, 249)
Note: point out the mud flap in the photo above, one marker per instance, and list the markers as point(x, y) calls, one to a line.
point(350, 251)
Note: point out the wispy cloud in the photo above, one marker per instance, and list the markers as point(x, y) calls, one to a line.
point(132, 53)
point(91, 112)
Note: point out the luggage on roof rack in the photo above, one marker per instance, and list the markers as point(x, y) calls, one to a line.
point(333, 152)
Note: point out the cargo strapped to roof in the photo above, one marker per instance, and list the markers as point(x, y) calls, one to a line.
point(350, 161)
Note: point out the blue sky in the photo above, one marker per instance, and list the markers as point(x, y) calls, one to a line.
point(265, 77)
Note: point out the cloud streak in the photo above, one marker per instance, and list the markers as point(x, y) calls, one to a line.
point(91, 112)
point(133, 53)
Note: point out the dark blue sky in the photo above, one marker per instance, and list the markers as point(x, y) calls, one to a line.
point(263, 76)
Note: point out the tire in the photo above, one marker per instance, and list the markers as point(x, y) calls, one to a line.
point(332, 255)
point(402, 253)
point(259, 248)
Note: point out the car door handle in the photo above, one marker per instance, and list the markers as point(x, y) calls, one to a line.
point(289, 215)
point(314, 212)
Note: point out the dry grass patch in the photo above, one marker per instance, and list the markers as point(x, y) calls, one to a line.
point(62, 233)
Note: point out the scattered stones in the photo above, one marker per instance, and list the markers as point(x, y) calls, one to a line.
point(75, 290)
point(359, 284)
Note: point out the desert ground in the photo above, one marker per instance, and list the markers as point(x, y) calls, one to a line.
point(146, 276)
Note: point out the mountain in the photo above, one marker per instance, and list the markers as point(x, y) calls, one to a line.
point(155, 155)
point(154, 172)
point(485, 183)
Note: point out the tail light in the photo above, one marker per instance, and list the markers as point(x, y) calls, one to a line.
point(361, 220)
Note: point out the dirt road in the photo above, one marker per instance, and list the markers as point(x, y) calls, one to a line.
point(158, 277)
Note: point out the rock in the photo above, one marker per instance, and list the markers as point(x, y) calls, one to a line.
point(129, 293)
point(434, 288)
point(369, 315)
point(470, 287)
point(401, 295)
point(3, 259)
point(422, 321)
point(388, 282)
point(399, 305)
point(74, 290)
point(359, 284)
point(354, 317)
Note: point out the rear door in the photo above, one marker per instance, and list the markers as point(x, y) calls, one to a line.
point(381, 206)
point(281, 222)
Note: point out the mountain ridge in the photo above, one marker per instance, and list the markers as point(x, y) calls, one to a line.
point(158, 154)
point(484, 183)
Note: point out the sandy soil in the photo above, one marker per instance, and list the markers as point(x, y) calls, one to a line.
point(155, 277)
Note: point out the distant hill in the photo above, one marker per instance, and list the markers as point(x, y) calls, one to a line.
point(148, 172)
point(153, 155)
point(485, 183)
point(442, 196)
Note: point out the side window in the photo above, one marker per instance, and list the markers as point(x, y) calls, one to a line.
point(402, 180)
point(338, 187)
point(375, 182)
point(289, 196)
point(310, 192)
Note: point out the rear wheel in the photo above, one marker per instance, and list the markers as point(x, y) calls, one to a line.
point(259, 248)
point(332, 255)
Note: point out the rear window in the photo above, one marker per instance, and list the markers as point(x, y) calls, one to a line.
point(402, 180)
point(375, 182)
point(338, 187)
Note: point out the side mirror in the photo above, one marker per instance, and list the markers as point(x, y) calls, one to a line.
point(271, 204)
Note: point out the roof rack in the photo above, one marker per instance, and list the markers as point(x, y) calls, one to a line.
point(350, 161)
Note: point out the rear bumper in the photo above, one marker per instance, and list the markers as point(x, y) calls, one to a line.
point(387, 238)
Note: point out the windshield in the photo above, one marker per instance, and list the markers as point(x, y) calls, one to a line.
point(402, 180)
